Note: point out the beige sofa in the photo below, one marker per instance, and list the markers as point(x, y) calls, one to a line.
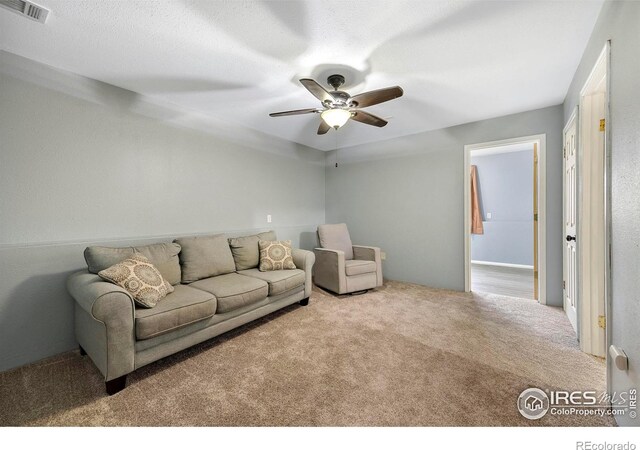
point(217, 287)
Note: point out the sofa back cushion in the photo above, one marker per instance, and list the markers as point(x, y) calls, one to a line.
point(336, 237)
point(246, 253)
point(163, 256)
point(204, 257)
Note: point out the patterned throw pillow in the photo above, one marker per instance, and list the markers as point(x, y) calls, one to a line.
point(275, 255)
point(140, 278)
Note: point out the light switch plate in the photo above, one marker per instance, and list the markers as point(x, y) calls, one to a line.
point(488, 215)
point(383, 255)
point(268, 218)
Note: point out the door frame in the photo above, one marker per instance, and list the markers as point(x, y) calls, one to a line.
point(541, 140)
point(608, 298)
point(587, 310)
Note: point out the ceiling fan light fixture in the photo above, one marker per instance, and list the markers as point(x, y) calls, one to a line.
point(335, 117)
point(338, 106)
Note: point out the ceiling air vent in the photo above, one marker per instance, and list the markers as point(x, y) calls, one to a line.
point(26, 9)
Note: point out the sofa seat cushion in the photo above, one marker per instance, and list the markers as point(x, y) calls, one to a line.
point(233, 290)
point(185, 305)
point(279, 280)
point(359, 266)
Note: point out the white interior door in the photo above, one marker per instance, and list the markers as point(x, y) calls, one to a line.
point(570, 260)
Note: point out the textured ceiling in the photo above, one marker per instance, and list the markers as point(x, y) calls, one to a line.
point(458, 61)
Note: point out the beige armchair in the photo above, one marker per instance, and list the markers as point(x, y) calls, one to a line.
point(342, 267)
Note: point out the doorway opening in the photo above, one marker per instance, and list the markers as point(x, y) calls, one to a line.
point(504, 217)
point(585, 217)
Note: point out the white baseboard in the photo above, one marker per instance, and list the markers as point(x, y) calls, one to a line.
point(491, 263)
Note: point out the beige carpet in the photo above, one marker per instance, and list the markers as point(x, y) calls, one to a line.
point(403, 355)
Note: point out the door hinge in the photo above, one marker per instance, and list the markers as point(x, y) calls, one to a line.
point(535, 217)
point(564, 285)
point(602, 322)
point(602, 124)
point(564, 152)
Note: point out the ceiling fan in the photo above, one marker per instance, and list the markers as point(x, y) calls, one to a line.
point(338, 106)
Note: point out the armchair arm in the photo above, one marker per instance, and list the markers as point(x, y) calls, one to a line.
point(104, 323)
point(304, 259)
point(329, 270)
point(370, 254)
point(366, 253)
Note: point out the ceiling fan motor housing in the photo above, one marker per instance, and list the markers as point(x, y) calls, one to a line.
point(335, 81)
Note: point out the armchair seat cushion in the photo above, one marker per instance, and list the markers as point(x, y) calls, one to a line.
point(185, 305)
point(233, 291)
point(279, 281)
point(358, 267)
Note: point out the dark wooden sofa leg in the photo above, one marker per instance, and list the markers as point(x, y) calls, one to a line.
point(116, 385)
point(304, 301)
point(82, 352)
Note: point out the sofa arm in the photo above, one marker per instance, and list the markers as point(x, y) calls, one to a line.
point(370, 254)
point(329, 270)
point(104, 323)
point(304, 259)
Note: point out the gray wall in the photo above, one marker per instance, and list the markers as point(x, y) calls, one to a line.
point(505, 187)
point(406, 196)
point(75, 172)
point(619, 22)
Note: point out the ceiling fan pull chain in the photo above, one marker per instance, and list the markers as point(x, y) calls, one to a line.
point(336, 148)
